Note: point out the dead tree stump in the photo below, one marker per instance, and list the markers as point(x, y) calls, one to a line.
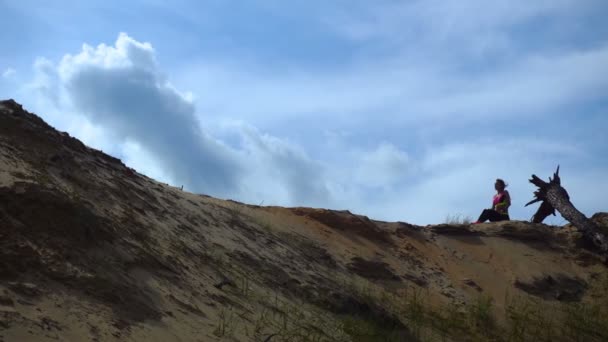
point(554, 196)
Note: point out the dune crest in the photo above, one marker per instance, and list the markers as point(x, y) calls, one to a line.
point(91, 250)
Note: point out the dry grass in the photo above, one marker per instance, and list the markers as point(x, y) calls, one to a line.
point(458, 219)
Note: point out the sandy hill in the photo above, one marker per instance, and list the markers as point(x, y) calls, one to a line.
point(91, 250)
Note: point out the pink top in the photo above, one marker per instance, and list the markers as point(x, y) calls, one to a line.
point(501, 202)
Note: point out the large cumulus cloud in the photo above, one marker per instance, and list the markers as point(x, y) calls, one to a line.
point(116, 97)
point(122, 89)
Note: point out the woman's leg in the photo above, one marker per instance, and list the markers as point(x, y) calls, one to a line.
point(485, 215)
point(496, 217)
point(492, 216)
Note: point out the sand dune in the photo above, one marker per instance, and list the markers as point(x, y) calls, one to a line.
point(91, 250)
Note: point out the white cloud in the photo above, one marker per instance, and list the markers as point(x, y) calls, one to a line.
point(126, 54)
point(383, 167)
point(127, 100)
point(458, 179)
point(121, 88)
point(45, 82)
point(213, 147)
point(441, 20)
point(395, 91)
point(9, 73)
point(137, 157)
point(280, 172)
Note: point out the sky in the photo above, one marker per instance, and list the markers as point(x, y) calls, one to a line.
point(398, 110)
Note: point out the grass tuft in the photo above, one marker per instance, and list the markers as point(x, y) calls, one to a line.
point(458, 219)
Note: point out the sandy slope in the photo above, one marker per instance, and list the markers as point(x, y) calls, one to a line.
point(91, 250)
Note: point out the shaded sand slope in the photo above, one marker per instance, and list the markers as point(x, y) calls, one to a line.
point(91, 250)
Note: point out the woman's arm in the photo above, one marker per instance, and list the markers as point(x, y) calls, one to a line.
point(505, 202)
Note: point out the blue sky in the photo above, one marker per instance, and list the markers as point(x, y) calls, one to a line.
point(399, 110)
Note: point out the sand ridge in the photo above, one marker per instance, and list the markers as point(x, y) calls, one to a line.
point(91, 250)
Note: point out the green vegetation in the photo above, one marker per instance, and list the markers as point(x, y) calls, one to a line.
point(525, 318)
point(408, 315)
point(397, 315)
point(405, 314)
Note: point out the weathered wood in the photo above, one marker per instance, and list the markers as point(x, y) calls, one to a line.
point(554, 196)
point(543, 211)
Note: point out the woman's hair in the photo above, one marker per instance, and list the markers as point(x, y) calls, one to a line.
point(501, 182)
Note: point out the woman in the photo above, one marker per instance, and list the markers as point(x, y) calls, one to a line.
point(500, 205)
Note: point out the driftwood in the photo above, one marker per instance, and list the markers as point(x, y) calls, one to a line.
point(554, 196)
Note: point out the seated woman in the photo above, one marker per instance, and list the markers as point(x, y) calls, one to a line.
point(500, 205)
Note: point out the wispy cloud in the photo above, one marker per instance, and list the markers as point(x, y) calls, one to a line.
point(9, 73)
point(402, 93)
point(399, 110)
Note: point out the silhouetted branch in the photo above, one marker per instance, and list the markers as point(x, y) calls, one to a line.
point(553, 197)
